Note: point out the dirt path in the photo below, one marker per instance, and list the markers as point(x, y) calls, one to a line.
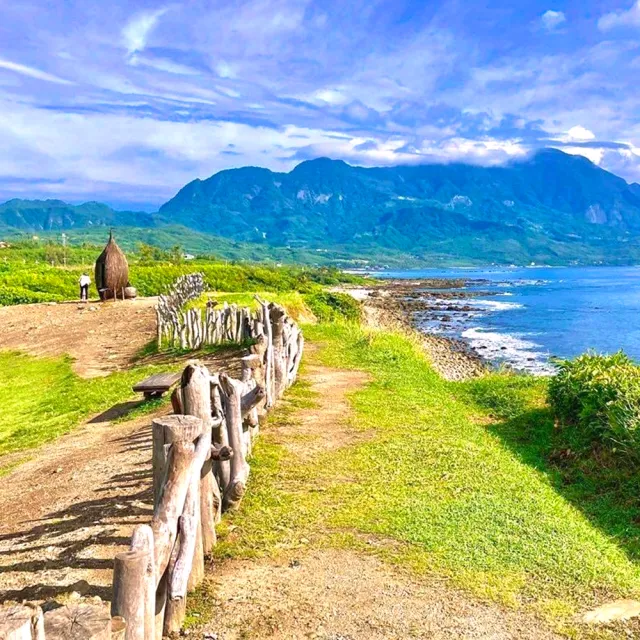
point(73, 506)
point(340, 594)
point(100, 337)
point(67, 512)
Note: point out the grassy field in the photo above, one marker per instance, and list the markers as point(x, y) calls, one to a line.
point(48, 399)
point(458, 480)
point(39, 272)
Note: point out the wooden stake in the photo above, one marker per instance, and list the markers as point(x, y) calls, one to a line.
point(231, 396)
point(196, 394)
point(142, 540)
point(79, 622)
point(130, 591)
point(21, 622)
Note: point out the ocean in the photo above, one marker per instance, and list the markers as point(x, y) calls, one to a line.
point(525, 316)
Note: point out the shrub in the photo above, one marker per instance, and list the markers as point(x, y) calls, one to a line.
point(599, 395)
point(329, 306)
point(19, 295)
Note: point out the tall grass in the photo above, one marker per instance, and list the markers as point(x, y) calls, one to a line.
point(598, 397)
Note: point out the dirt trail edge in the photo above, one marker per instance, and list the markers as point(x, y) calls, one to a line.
point(100, 337)
point(340, 594)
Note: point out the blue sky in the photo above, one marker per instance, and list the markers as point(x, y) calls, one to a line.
point(126, 102)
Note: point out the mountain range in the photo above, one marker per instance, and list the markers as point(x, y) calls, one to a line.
point(551, 208)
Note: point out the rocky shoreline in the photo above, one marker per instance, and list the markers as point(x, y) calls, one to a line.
point(396, 304)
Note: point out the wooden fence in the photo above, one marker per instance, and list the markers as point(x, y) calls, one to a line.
point(200, 469)
point(194, 328)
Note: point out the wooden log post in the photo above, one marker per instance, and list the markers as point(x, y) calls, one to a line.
point(170, 502)
point(182, 558)
point(298, 358)
point(268, 353)
point(196, 395)
point(232, 398)
point(21, 622)
point(165, 431)
point(221, 468)
point(187, 562)
point(160, 322)
point(130, 591)
point(277, 316)
point(79, 622)
point(142, 540)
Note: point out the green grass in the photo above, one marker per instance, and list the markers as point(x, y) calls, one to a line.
point(40, 272)
point(455, 479)
point(42, 398)
point(293, 301)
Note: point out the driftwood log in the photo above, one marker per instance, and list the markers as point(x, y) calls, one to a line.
point(196, 401)
point(232, 400)
point(78, 622)
point(21, 622)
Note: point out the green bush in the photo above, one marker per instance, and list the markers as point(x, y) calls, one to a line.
point(19, 295)
point(329, 306)
point(600, 396)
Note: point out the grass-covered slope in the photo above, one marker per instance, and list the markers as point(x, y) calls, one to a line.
point(457, 480)
point(42, 398)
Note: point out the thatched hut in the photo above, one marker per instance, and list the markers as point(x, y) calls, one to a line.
point(112, 271)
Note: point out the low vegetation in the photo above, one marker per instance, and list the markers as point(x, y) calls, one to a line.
point(62, 401)
point(41, 272)
point(464, 480)
point(521, 490)
point(596, 398)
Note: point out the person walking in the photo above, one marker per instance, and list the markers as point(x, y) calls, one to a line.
point(85, 281)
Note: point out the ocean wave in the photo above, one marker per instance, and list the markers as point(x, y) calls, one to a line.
point(496, 305)
point(503, 347)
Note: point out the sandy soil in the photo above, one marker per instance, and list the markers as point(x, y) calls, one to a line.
point(101, 337)
point(341, 595)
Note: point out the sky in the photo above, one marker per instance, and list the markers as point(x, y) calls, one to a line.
point(127, 101)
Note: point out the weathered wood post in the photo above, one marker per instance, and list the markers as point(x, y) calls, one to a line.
point(277, 316)
point(21, 622)
point(268, 356)
point(130, 591)
point(180, 465)
point(78, 622)
point(222, 468)
point(196, 401)
point(232, 401)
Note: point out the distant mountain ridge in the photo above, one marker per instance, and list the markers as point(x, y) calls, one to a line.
point(50, 215)
point(552, 207)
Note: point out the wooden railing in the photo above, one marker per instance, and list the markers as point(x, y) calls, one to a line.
point(200, 460)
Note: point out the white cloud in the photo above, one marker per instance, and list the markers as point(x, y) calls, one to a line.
point(595, 155)
point(552, 19)
point(31, 72)
point(629, 18)
point(580, 133)
point(137, 30)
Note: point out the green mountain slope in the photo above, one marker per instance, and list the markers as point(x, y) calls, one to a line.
point(47, 215)
point(551, 208)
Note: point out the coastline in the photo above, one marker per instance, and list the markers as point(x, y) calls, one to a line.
point(392, 305)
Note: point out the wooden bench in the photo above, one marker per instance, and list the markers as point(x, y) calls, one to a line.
point(155, 386)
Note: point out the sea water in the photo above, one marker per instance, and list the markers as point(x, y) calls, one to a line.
point(526, 316)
